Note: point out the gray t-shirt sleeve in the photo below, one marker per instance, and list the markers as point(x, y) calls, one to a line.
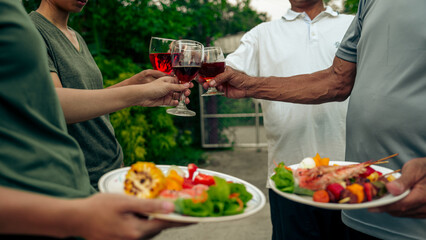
point(348, 48)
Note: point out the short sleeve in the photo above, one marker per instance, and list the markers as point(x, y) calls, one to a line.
point(51, 64)
point(245, 57)
point(348, 48)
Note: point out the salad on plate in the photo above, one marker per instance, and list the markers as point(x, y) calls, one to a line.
point(194, 193)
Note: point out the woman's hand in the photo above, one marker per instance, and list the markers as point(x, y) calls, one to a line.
point(114, 216)
point(142, 77)
point(164, 91)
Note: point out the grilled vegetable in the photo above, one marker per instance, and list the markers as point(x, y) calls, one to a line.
point(321, 196)
point(144, 180)
point(335, 189)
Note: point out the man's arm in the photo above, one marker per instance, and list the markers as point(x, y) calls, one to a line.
point(332, 84)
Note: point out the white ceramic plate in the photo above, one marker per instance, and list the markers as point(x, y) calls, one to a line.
point(113, 182)
point(385, 200)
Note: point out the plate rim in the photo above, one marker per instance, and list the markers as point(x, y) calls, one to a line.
point(385, 200)
point(175, 217)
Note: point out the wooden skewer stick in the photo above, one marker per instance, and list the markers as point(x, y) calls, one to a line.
point(391, 156)
point(381, 161)
point(387, 174)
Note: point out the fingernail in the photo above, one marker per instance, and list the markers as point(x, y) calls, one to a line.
point(395, 187)
point(168, 206)
point(186, 85)
point(212, 83)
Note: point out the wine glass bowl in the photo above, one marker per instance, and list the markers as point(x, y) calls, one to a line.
point(160, 54)
point(213, 65)
point(187, 58)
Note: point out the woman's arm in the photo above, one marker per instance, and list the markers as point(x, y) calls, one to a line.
point(102, 216)
point(81, 104)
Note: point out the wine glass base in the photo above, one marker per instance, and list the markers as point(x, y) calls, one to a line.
point(212, 92)
point(181, 112)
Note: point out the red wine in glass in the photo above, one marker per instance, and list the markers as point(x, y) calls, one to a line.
point(210, 70)
point(161, 62)
point(213, 65)
point(186, 73)
point(187, 57)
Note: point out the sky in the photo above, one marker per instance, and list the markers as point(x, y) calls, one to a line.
point(274, 8)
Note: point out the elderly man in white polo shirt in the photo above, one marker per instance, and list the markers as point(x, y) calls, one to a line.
point(305, 40)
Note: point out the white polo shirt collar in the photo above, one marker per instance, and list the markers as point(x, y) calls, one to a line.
point(291, 15)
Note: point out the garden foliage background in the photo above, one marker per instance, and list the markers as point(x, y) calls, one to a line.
point(118, 33)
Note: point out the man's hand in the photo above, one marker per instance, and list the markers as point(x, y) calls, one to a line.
point(233, 83)
point(113, 216)
point(414, 178)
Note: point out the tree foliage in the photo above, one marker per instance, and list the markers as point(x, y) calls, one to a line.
point(351, 6)
point(118, 33)
point(124, 27)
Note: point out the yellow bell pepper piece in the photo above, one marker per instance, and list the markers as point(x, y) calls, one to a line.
point(358, 190)
point(390, 178)
point(373, 177)
point(174, 181)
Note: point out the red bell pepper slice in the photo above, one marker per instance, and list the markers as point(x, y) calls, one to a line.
point(368, 191)
point(191, 170)
point(204, 179)
point(369, 170)
point(187, 183)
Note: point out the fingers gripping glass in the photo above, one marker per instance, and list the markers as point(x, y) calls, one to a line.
point(213, 65)
point(187, 57)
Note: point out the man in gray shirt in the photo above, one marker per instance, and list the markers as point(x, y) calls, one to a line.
point(381, 65)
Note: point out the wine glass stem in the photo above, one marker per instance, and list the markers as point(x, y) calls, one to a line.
point(181, 104)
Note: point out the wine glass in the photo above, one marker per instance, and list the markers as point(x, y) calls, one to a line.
point(160, 54)
point(213, 65)
point(187, 57)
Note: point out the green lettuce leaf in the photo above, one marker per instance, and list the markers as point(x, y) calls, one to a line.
point(283, 179)
point(189, 208)
point(220, 191)
point(218, 202)
point(242, 191)
point(232, 207)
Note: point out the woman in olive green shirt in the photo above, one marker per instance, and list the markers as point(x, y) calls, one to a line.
point(79, 84)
